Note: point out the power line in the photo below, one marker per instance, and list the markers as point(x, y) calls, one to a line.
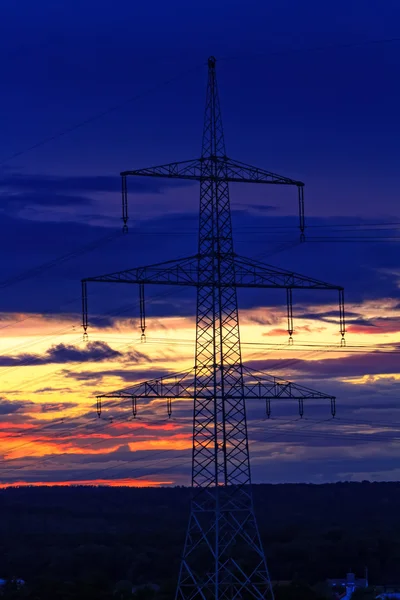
point(181, 75)
point(312, 49)
point(98, 115)
point(45, 459)
point(70, 329)
point(66, 132)
point(281, 364)
point(392, 226)
point(89, 445)
point(35, 271)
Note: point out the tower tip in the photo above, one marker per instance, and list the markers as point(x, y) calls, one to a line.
point(211, 62)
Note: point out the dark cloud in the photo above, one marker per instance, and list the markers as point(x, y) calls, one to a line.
point(42, 199)
point(355, 322)
point(21, 192)
point(94, 351)
point(265, 319)
point(56, 406)
point(378, 325)
point(63, 353)
point(124, 374)
point(176, 236)
point(119, 464)
point(51, 389)
point(255, 208)
point(373, 363)
point(9, 407)
point(21, 183)
point(328, 316)
point(102, 322)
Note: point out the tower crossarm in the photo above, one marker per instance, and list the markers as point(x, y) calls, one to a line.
point(176, 385)
point(178, 272)
point(213, 168)
point(226, 169)
point(240, 172)
point(248, 273)
point(265, 386)
point(181, 272)
point(251, 273)
point(181, 386)
point(185, 169)
point(185, 272)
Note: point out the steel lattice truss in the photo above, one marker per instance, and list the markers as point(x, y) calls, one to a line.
point(223, 558)
point(184, 272)
point(181, 386)
point(233, 171)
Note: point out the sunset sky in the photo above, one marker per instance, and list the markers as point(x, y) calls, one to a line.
point(308, 91)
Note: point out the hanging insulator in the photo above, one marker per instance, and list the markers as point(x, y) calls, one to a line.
point(333, 407)
point(98, 406)
point(142, 313)
point(124, 204)
point(301, 407)
point(342, 317)
point(268, 407)
point(289, 300)
point(169, 407)
point(84, 311)
point(134, 406)
point(300, 189)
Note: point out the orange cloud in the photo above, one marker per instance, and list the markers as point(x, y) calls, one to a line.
point(169, 345)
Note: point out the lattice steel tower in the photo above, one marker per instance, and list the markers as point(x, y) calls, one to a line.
point(223, 556)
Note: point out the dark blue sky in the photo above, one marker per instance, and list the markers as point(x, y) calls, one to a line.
point(327, 117)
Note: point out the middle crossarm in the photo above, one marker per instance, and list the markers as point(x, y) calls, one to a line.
point(172, 272)
point(184, 272)
point(251, 273)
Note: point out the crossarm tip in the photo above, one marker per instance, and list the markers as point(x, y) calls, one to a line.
point(84, 309)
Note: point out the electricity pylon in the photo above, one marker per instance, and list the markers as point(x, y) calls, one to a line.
point(223, 557)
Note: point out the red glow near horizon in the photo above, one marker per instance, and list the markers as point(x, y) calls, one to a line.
point(124, 482)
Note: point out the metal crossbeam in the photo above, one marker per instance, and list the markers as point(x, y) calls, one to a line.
point(226, 170)
point(184, 272)
point(182, 386)
point(244, 273)
point(223, 557)
point(173, 272)
point(254, 274)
